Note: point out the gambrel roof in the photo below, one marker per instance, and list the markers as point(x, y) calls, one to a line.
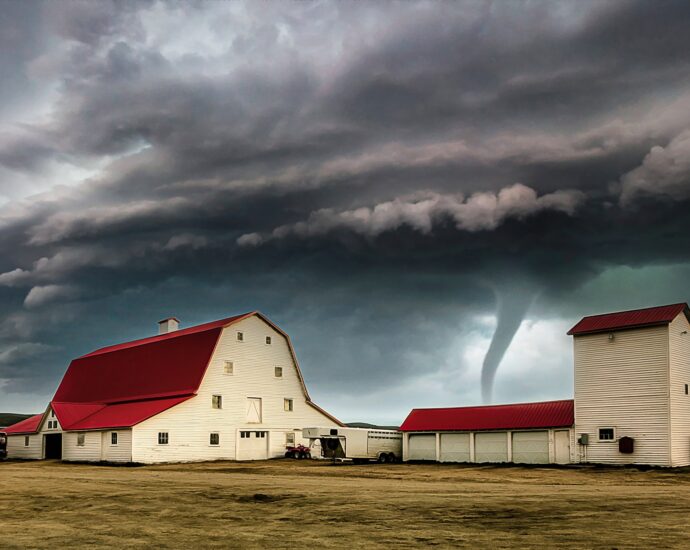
point(123, 385)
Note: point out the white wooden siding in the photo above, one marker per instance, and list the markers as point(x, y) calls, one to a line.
point(190, 423)
point(122, 452)
point(679, 359)
point(623, 384)
point(90, 451)
point(16, 448)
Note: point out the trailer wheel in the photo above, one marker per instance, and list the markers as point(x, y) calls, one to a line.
point(383, 458)
point(392, 458)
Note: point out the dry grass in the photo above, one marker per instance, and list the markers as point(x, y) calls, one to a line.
point(313, 504)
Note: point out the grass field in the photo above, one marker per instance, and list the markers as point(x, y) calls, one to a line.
point(286, 503)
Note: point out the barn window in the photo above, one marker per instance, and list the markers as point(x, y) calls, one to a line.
point(686, 389)
point(52, 414)
point(26, 441)
point(81, 439)
point(279, 372)
point(214, 439)
point(50, 424)
point(290, 438)
point(260, 434)
point(268, 339)
point(113, 438)
point(606, 434)
point(240, 337)
point(288, 405)
point(217, 401)
point(244, 435)
point(229, 368)
point(162, 438)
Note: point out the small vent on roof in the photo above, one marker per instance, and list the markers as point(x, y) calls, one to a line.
point(170, 324)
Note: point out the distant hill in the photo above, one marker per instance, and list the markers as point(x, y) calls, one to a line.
point(370, 426)
point(7, 419)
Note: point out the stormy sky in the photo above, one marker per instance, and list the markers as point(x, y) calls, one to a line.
point(392, 183)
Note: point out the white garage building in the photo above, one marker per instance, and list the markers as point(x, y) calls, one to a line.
point(229, 389)
point(529, 433)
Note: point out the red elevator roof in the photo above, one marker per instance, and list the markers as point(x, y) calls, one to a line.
point(547, 414)
point(635, 318)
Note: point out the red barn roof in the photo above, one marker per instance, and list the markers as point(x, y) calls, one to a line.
point(119, 415)
point(547, 414)
point(27, 426)
point(635, 318)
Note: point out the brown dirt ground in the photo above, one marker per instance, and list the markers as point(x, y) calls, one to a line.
point(286, 503)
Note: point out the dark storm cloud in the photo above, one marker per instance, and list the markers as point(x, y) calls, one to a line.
point(386, 173)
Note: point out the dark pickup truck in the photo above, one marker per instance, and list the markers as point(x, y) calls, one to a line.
point(3, 445)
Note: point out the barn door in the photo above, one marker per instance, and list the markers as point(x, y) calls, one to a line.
point(254, 410)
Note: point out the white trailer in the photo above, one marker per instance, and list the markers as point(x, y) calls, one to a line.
point(356, 444)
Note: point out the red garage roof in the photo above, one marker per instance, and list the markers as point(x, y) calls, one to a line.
point(547, 414)
point(635, 318)
point(27, 426)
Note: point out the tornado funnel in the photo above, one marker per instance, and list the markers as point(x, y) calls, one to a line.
point(511, 309)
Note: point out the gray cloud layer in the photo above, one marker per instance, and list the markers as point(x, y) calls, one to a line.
point(384, 172)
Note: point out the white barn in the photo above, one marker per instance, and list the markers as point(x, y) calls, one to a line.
point(231, 389)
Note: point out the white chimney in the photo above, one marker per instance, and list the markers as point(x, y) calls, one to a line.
point(171, 324)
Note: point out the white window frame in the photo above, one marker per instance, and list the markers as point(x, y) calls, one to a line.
point(613, 431)
point(81, 439)
point(210, 439)
point(166, 437)
point(229, 368)
point(217, 399)
point(276, 371)
point(240, 336)
point(289, 404)
point(117, 439)
point(290, 438)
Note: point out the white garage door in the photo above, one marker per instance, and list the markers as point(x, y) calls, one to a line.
point(531, 447)
point(422, 447)
point(252, 445)
point(491, 447)
point(455, 447)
